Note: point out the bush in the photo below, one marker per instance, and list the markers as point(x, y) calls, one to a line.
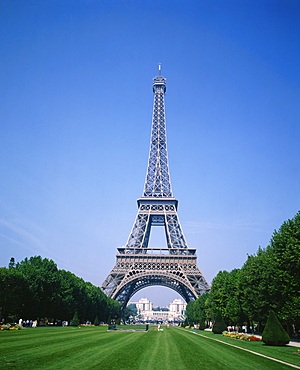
point(5, 327)
point(274, 334)
point(96, 322)
point(219, 324)
point(202, 324)
point(75, 321)
point(18, 326)
point(185, 323)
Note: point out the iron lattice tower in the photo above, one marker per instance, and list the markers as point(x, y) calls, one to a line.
point(137, 265)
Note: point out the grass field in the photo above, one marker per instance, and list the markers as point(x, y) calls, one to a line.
point(97, 348)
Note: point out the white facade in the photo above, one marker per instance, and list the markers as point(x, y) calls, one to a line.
point(175, 311)
point(177, 306)
point(144, 305)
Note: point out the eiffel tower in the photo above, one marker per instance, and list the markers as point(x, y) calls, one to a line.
point(138, 266)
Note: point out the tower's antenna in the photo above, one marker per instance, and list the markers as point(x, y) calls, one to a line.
point(159, 69)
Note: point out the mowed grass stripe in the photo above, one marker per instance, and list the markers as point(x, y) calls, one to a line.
point(27, 338)
point(108, 351)
point(160, 351)
point(201, 354)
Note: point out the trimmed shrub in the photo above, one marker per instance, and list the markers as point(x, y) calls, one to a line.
point(219, 324)
point(96, 322)
point(202, 324)
point(185, 323)
point(75, 321)
point(274, 334)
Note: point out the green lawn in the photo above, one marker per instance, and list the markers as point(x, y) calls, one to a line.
point(172, 348)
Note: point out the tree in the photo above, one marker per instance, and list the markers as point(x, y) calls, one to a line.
point(114, 309)
point(258, 286)
point(126, 313)
point(201, 309)
point(285, 248)
point(72, 296)
point(189, 313)
point(14, 296)
point(42, 277)
point(11, 263)
point(225, 296)
point(133, 308)
point(274, 334)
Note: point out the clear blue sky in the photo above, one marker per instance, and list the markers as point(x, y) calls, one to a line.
point(75, 117)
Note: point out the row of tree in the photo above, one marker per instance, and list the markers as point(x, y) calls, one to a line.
point(35, 288)
point(269, 280)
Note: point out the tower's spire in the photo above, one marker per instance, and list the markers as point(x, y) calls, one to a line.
point(157, 182)
point(159, 69)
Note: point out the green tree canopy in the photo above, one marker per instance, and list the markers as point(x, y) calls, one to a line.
point(268, 280)
point(225, 296)
point(202, 309)
point(285, 251)
point(35, 288)
point(14, 294)
point(258, 286)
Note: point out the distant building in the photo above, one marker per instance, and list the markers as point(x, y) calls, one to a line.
point(144, 305)
point(147, 312)
point(178, 307)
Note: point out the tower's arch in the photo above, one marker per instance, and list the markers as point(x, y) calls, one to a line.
point(141, 281)
point(135, 271)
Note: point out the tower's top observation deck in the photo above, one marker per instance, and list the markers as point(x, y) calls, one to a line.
point(159, 83)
